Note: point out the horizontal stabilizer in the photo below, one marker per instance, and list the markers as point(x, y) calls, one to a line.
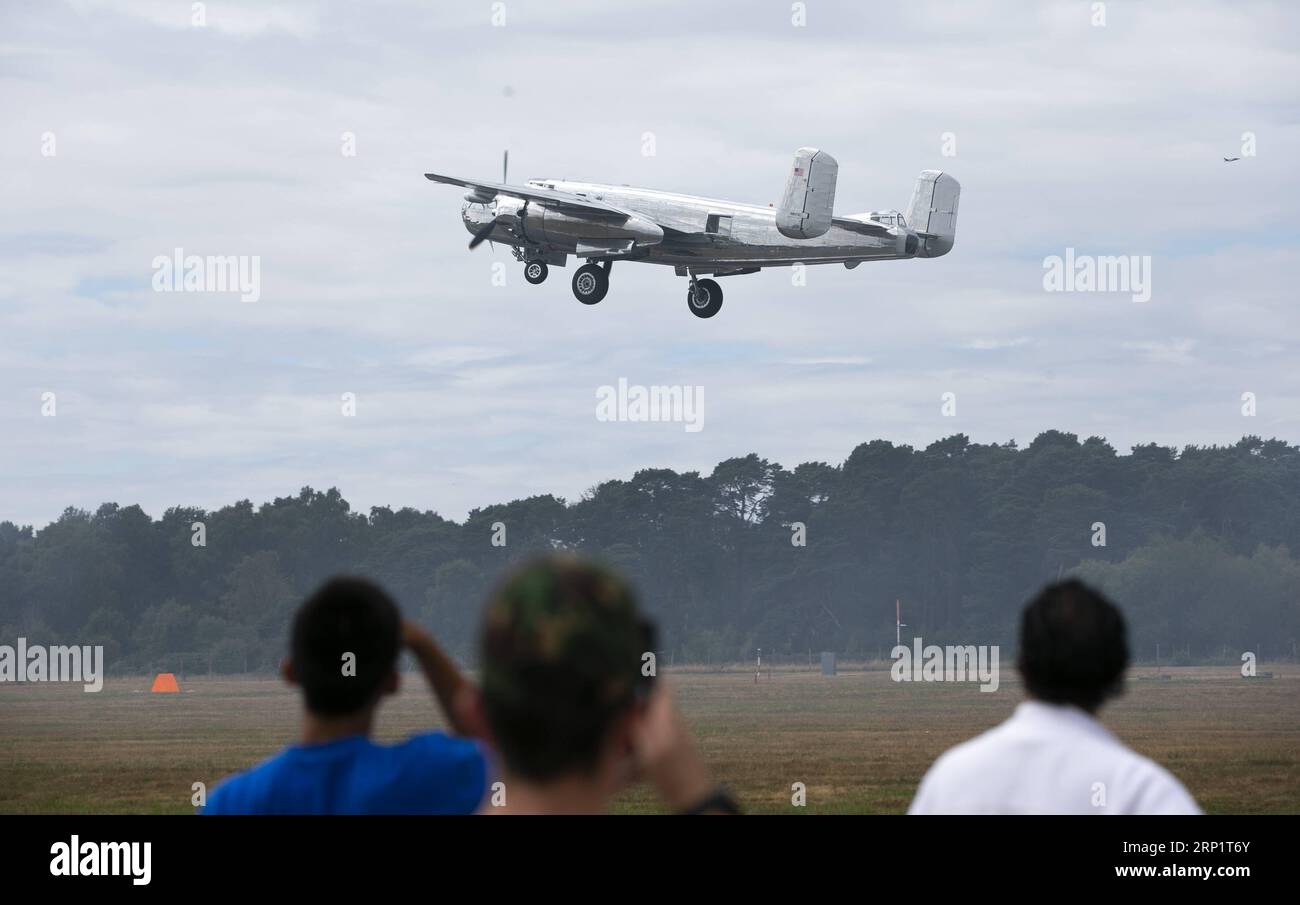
point(862, 225)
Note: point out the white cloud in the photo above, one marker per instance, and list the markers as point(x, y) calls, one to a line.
point(1171, 352)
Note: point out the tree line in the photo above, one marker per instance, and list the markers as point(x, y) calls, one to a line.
point(1194, 544)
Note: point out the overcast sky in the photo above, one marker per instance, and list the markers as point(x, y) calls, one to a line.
point(226, 139)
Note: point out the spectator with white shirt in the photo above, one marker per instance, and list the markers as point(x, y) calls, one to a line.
point(1052, 756)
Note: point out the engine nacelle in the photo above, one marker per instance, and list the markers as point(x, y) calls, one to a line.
point(808, 201)
point(510, 215)
point(544, 224)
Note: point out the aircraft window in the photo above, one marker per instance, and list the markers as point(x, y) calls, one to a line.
point(718, 225)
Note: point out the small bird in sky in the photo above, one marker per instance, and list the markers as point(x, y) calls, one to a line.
point(1230, 159)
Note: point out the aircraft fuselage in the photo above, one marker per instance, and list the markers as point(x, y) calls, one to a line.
point(705, 235)
point(546, 221)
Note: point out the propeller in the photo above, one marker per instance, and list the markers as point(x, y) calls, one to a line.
point(482, 234)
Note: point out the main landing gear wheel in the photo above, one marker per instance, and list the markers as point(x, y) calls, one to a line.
point(535, 272)
point(704, 297)
point(590, 284)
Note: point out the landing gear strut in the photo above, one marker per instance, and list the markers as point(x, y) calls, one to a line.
point(591, 282)
point(535, 272)
point(704, 297)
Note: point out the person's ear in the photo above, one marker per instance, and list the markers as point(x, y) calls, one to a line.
point(287, 673)
point(620, 745)
point(469, 713)
point(392, 682)
point(634, 721)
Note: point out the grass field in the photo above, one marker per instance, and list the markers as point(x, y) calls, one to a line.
point(858, 741)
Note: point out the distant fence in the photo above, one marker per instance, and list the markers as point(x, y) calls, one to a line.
point(231, 660)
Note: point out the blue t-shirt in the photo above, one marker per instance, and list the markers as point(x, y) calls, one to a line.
point(426, 774)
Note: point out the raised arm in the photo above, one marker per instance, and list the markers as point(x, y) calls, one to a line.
point(443, 676)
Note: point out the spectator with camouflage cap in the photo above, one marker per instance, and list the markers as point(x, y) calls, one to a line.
point(569, 701)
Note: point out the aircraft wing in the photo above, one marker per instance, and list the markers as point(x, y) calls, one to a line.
point(680, 226)
point(565, 201)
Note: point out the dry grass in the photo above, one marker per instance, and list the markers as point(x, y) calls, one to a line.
point(858, 741)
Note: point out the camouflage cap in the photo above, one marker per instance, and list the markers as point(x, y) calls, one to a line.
point(561, 626)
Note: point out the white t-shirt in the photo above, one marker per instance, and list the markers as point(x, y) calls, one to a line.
point(1048, 759)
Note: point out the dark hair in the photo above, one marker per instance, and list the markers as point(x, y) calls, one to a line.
point(1073, 646)
point(345, 615)
point(561, 658)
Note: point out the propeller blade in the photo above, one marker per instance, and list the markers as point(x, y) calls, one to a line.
point(505, 167)
point(481, 235)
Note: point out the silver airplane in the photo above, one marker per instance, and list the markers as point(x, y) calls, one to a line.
point(546, 220)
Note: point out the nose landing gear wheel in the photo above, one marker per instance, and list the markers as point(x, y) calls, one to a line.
point(590, 284)
point(704, 298)
point(535, 272)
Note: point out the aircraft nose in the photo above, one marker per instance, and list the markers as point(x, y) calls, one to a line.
point(474, 216)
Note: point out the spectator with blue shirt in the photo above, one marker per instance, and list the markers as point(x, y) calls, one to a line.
point(344, 646)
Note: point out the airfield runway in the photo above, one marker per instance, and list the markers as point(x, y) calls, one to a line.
point(857, 741)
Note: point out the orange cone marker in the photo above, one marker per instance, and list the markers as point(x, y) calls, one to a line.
point(165, 683)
